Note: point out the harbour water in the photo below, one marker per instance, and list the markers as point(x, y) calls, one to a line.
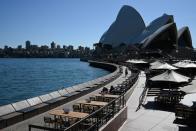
point(25, 78)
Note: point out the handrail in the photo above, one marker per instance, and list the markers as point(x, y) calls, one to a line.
point(94, 114)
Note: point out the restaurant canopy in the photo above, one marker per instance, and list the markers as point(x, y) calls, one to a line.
point(170, 76)
point(163, 66)
point(136, 61)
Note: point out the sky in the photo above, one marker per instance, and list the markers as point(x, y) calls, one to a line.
point(80, 22)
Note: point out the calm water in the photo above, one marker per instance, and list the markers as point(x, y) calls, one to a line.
point(25, 78)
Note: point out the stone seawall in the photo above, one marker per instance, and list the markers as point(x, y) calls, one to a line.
point(22, 110)
point(107, 66)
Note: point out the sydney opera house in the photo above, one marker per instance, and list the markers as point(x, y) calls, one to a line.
point(161, 35)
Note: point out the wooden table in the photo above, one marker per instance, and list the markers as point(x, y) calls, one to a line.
point(94, 103)
point(71, 114)
point(107, 95)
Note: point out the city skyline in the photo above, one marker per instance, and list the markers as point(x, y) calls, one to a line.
point(48, 45)
point(78, 23)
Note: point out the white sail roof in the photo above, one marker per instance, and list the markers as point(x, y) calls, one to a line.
point(127, 25)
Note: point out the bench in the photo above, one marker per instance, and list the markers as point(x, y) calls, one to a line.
point(8, 116)
point(25, 108)
point(72, 92)
point(80, 88)
point(36, 103)
point(63, 92)
point(53, 99)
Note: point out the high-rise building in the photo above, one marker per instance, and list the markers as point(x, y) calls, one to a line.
point(28, 44)
point(53, 45)
point(70, 48)
point(5, 47)
point(19, 47)
point(64, 47)
point(58, 47)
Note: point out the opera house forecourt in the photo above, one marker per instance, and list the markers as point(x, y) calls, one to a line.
point(151, 84)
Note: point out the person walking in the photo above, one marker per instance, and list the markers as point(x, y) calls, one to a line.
point(126, 72)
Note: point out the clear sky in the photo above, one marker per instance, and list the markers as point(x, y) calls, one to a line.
point(80, 22)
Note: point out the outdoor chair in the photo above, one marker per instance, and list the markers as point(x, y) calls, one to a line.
point(66, 124)
point(76, 107)
point(95, 108)
point(92, 98)
point(87, 109)
point(48, 121)
point(99, 98)
point(59, 122)
point(107, 99)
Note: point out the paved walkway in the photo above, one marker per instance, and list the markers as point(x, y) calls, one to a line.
point(38, 120)
point(148, 118)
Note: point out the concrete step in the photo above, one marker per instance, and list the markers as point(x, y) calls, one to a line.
point(154, 92)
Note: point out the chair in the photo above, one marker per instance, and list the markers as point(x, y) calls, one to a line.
point(87, 109)
point(66, 124)
point(107, 99)
point(94, 108)
point(48, 121)
point(59, 122)
point(92, 98)
point(76, 107)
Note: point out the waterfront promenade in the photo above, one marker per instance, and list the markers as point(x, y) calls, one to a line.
point(148, 118)
point(38, 120)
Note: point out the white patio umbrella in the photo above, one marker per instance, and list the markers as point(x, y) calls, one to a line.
point(156, 63)
point(136, 61)
point(190, 88)
point(190, 65)
point(183, 64)
point(170, 76)
point(163, 66)
point(189, 99)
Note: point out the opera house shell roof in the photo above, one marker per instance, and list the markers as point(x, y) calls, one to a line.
point(129, 28)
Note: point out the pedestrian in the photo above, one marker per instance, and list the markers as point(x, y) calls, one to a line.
point(126, 72)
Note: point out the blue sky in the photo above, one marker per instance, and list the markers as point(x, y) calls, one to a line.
point(80, 22)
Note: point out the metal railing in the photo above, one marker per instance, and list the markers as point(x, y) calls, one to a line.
point(93, 121)
point(98, 118)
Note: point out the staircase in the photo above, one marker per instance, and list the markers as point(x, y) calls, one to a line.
point(154, 91)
